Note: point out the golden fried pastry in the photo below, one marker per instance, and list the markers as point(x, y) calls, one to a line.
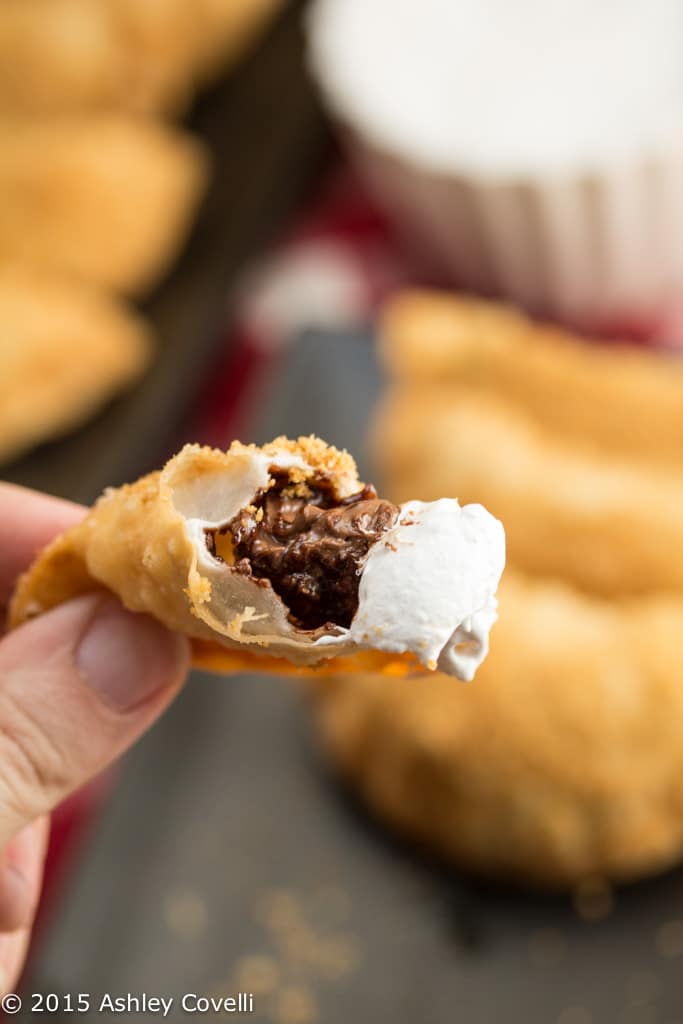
point(614, 399)
point(578, 448)
point(228, 27)
point(108, 198)
point(173, 46)
point(282, 551)
point(157, 42)
point(71, 56)
point(66, 348)
point(564, 759)
point(58, 56)
point(608, 525)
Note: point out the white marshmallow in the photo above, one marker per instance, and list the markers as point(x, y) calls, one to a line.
point(428, 586)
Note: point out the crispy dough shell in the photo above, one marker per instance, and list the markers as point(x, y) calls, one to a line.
point(134, 543)
point(125, 544)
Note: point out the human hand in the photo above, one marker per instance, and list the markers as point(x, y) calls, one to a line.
point(78, 686)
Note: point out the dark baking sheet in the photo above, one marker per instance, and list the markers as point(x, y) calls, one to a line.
point(229, 799)
point(267, 139)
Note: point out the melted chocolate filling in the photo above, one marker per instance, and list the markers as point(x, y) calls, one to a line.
point(310, 547)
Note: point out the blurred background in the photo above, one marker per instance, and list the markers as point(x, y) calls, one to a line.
point(449, 237)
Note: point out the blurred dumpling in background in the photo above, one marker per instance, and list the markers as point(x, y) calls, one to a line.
point(64, 56)
point(91, 190)
point(563, 759)
point(66, 349)
point(615, 399)
point(107, 198)
point(57, 55)
point(577, 448)
point(227, 30)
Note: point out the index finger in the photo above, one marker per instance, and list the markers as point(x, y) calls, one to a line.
point(28, 521)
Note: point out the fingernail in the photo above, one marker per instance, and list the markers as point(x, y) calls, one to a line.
point(126, 658)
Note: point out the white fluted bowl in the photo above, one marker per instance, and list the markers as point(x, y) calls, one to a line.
point(589, 228)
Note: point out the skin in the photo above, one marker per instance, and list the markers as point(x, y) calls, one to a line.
point(78, 686)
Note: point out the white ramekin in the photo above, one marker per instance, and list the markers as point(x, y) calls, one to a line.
point(596, 245)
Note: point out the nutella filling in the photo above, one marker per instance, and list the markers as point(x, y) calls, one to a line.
point(308, 544)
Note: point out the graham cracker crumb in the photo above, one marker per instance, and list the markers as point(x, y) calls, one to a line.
point(320, 456)
point(199, 590)
point(297, 475)
point(297, 490)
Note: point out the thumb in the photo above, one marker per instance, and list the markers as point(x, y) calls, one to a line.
point(77, 686)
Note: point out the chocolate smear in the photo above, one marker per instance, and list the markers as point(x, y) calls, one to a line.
point(310, 545)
